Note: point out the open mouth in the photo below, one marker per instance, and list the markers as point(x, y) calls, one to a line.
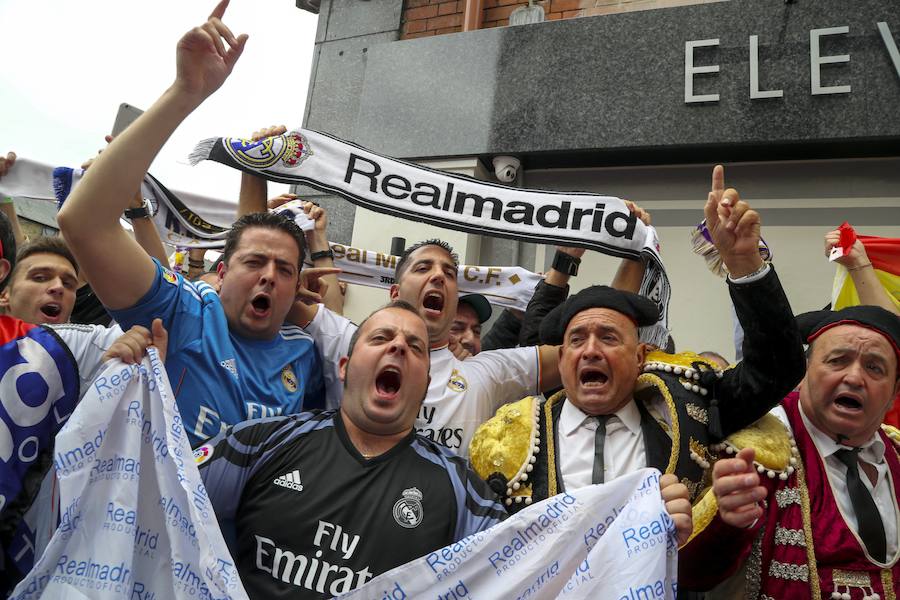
point(433, 302)
point(261, 303)
point(592, 377)
point(51, 310)
point(388, 382)
point(848, 402)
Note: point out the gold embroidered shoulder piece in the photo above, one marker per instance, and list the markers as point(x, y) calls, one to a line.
point(506, 444)
point(776, 451)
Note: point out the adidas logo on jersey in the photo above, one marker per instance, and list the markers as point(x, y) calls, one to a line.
point(231, 366)
point(290, 480)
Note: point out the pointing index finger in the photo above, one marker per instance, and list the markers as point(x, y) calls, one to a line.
point(718, 179)
point(219, 11)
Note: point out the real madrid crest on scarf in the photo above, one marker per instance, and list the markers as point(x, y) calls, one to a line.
point(290, 148)
point(408, 511)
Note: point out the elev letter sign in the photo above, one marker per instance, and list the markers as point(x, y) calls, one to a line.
point(816, 60)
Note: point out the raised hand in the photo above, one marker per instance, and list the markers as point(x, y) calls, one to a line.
point(268, 132)
point(280, 199)
point(203, 62)
point(737, 489)
point(857, 256)
point(639, 212)
point(6, 163)
point(733, 226)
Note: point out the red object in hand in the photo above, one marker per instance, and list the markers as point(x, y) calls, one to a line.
point(848, 237)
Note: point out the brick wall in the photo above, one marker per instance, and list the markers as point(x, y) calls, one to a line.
point(435, 17)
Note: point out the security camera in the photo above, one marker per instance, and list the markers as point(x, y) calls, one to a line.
point(506, 168)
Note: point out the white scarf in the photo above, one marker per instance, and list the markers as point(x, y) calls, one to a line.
point(408, 191)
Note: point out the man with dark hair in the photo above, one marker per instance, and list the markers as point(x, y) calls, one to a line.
point(826, 526)
point(266, 220)
point(231, 356)
point(42, 285)
point(463, 393)
point(322, 502)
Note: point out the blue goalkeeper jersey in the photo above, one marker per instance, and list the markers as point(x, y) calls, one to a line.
point(313, 518)
point(220, 378)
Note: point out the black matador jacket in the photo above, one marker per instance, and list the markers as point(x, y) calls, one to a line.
point(686, 405)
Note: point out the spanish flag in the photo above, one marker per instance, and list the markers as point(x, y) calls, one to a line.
point(884, 254)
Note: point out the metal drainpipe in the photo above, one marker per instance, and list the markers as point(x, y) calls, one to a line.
point(472, 15)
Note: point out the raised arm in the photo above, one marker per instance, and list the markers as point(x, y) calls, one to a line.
point(857, 263)
point(773, 352)
point(145, 233)
point(630, 273)
point(89, 219)
point(7, 205)
point(254, 190)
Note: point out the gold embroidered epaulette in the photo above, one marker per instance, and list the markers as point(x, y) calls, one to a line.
point(776, 450)
point(892, 432)
point(687, 365)
point(505, 448)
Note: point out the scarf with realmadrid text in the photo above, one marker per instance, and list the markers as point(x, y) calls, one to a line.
point(394, 187)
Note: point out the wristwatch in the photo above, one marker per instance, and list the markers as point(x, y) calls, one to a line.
point(566, 263)
point(145, 211)
point(322, 254)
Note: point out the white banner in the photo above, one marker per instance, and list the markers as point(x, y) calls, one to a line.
point(136, 521)
point(508, 287)
point(613, 541)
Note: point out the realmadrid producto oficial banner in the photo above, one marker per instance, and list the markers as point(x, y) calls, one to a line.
point(509, 287)
point(136, 521)
point(401, 189)
point(613, 541)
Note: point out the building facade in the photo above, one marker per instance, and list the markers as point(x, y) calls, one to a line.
point(638, 99)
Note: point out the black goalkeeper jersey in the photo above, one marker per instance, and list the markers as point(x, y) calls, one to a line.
point(314, 519)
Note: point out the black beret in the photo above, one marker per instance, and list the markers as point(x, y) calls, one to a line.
point(642, 311)
point(813, 324)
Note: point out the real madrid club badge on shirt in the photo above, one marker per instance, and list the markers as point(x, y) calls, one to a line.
point(457, 382)
point(408, 511)
point(289, 379)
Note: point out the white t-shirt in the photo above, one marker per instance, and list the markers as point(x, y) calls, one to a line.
point(88, 344)
point(462, 394)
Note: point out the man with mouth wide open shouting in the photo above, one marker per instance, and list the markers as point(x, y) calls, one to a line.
point(462, 394)
point(231, 356)
point(321, 502)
